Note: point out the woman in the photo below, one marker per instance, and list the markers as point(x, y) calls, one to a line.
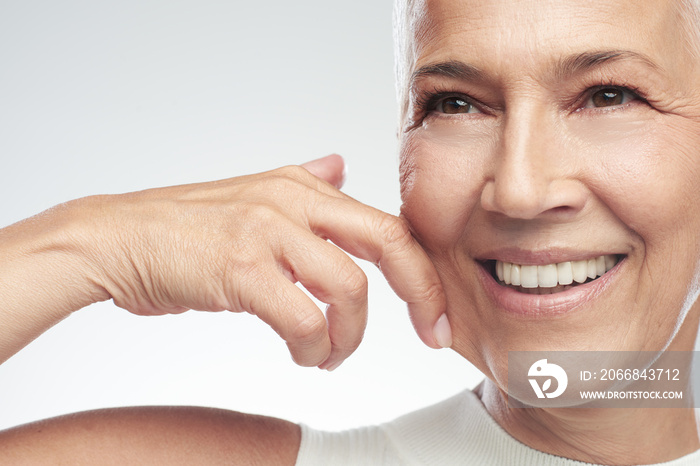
point(532, 134)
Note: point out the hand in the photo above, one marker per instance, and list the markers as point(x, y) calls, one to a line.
point(240, 245)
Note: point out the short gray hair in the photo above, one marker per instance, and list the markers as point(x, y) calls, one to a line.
point(691, 8)
point(404, 18)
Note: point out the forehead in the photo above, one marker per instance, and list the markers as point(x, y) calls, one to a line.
point(525, 34)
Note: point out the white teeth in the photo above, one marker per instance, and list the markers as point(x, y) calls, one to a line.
point(592, 269)
point(547, 276)
point(580, 271)
point(565, 273)
point(515, 275)
point(528, 276)
point(600, 265)
point(552, 275)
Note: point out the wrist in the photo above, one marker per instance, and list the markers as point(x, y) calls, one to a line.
point(77, 243)
point(51, 257)
point(45, 275)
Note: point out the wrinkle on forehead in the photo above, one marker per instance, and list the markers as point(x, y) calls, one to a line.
point(520, 34)
point(528, 28)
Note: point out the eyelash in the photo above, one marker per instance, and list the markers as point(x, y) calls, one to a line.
point(427, 101)
point(635, 92)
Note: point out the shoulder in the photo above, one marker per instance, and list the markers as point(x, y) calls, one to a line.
point(457, 430)
point(153, 435)
point(365, 446)
point(414, 438)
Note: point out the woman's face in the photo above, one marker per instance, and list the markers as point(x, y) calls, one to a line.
point(540, 137)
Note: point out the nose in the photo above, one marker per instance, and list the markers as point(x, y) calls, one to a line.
point(531, 175)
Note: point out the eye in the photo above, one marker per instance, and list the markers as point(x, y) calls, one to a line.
point(453, 105)
point(610, 97)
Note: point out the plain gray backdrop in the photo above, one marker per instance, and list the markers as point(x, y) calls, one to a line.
point(110, 97)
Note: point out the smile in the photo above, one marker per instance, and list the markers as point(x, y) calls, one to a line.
point(551, 278)
point(548, 289)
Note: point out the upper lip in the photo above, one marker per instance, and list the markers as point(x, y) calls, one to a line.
point(521, 256)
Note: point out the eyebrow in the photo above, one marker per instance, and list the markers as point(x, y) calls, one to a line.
point(586, 61)
point(449, 69)
point(567, 67)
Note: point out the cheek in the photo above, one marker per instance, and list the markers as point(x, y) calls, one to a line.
point(441, 175)
point(649, 178)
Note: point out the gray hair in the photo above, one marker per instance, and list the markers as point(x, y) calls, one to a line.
point(404, 19)
point(691, 8)
point(407, 17)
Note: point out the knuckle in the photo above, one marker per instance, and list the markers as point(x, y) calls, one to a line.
point(283, 186)
point(396, 234)
point(432, 293)
point(308, 332)
point(294, 172)
point(254, 215)
point(354, 281)
point(242, 279)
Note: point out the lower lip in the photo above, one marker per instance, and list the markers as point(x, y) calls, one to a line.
point(547, 305)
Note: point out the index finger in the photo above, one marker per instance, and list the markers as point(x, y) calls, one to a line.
point(386, 240)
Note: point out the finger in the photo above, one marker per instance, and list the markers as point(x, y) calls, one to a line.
point(386, 240)
point(330, 168)
point(295, 180)
point(332, 277)
point(290, 313)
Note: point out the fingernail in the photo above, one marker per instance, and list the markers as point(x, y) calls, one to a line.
point(308, 162)
point(344, 176)
point(442, 332)
point(331, 367)
point(334, 366)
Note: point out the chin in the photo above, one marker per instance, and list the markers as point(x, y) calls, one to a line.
point(491, 317)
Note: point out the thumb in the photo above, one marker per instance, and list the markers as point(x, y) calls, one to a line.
point(330, 168)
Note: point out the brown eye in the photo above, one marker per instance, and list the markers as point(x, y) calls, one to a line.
point(610, 97)
point(452, 105)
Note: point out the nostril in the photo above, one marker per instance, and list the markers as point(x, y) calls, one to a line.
point(512, 200)
point(527, 196)
point(560, 210)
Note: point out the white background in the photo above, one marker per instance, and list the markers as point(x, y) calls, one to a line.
point(110, 97)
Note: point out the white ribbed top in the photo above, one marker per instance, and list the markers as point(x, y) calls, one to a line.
point(457, 431)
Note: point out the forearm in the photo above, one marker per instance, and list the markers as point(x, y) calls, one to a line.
point(220, 246)
point(45, 275)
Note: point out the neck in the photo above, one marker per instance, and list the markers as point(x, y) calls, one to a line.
point(605, 435)
point(601, 436)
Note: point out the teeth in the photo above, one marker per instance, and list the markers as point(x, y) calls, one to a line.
point(547, 276)
point(552, 275)
point(515, 275)
point(592, 269)
point(565, 273)
point(600, 265)
point(528, 276)
point(610, 261)
point(580, 271)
